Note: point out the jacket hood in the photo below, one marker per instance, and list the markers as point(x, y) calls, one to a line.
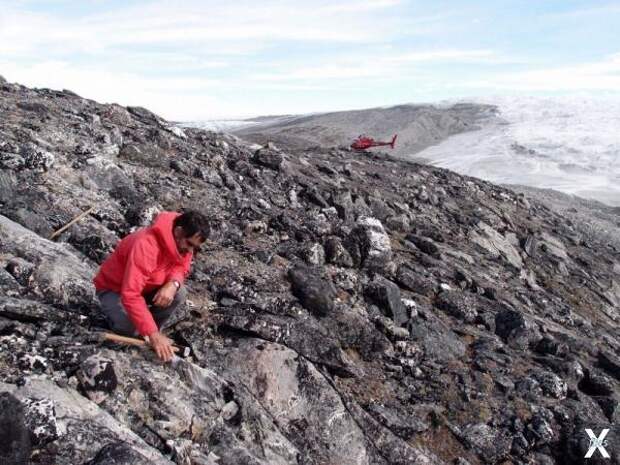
point(162, 228)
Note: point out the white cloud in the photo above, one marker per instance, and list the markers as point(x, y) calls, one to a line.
point(449, 56)
point(379, 65)
point(190, 59)
point(172, 98)
point(591, 11)
point(603, 75)
point(321, 72)
point(210, 24)
point(126, 54)
point(360, 6)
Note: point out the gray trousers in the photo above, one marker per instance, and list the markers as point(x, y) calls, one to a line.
point(116, 316)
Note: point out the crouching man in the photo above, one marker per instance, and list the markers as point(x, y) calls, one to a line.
point(140, 284)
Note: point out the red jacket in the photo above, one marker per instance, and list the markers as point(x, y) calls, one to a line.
point(142, 262)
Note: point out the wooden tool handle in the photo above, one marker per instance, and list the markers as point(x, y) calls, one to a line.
point(72, 222)
point(132, 341)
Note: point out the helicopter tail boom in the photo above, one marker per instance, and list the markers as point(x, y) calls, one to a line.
point(393, 141)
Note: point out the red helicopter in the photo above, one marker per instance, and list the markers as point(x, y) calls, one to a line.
point(364, 142)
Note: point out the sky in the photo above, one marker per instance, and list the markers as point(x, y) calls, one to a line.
point(199, 60)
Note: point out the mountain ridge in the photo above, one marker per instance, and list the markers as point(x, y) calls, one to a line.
point(417, 125)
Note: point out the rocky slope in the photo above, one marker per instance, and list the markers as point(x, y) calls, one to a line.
point(595, 220)
point(417, 126)
point(349, 308)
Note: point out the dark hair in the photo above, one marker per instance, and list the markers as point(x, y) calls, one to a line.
point(193, 222)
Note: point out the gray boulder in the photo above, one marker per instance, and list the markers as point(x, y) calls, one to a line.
point(314, 254)
point(314, 292)
point(552, 385)
point(491, 444)
point(400, 422)
point(41, 420)
point(596, 383)
point(118, 453)
point(59, 276)
point(425, 244)
point(336, 253)
point(36, 158)
point(415, 281)
point(268, 158)
point(610, 363)
point(343, 203)
point(495, 244)
point(82, 426)
point(387, 296)
point(15, 445)
point(369, 245)
point(461, 305)
point(301, 398)
point(516, 329)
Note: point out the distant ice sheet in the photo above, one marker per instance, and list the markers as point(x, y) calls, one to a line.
point(571, 145)
point(218, 125)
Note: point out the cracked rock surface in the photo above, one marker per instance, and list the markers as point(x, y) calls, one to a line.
point(348, 309)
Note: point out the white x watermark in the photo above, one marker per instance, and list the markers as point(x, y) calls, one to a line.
point(597, 443)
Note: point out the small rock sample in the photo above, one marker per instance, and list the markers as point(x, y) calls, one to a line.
point(97, 377)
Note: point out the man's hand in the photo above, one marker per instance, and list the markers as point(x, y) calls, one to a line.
point(162, 346)
point(165, 295)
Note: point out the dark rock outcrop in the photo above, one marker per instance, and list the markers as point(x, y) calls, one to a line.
point(118, 453)
point(15, 444)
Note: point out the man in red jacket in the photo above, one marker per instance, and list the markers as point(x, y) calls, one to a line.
point(140, 284)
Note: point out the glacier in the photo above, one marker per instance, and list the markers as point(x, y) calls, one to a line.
point(569, 144)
